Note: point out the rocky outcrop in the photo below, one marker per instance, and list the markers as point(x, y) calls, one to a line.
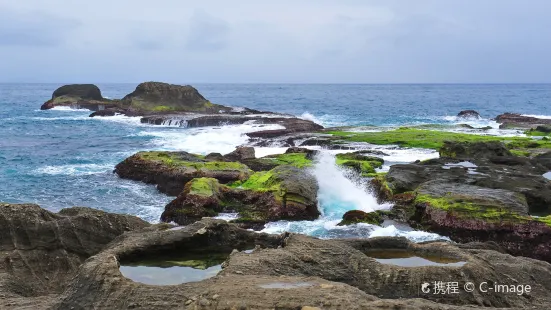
point(165, 98)
point(290, 125)
point(483, 198)
point(469, 114)
point(362, 164)
point(170, 171)
point(478, 150)
point(283, 193)
point(78, 96)
point(357, 216)
point(40, 251)
point(515, 120)
point(300, 272)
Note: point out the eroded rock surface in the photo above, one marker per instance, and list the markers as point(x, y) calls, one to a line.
point(41, 251)
point(296, 272)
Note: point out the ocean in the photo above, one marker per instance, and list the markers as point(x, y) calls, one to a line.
point(62, 158)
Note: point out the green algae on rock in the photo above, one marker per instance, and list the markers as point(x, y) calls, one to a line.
point(283, 193)
point(432, 139)
point(363, 164)
point(172, 170)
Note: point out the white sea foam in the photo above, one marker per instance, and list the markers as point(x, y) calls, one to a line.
point(205, 140)
point(67, 109)
point(62, 118)
point(310, 117)
point(77, 169)
point(538, 116)
point(122, 119)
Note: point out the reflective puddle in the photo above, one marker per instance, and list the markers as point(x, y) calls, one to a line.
point(408, 259)
point(547, 175)
point(174, 270)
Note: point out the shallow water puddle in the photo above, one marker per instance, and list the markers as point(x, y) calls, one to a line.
point(174, 270)
point(547, 175)
point(408, 259)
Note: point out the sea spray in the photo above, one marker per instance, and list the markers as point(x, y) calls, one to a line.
point(340, 191)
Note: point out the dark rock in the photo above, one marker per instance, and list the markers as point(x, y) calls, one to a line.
point(163, 97)
point(104, 113)
point(241, 153)
point(469, 114)
point(544, 128)
point(544, 160)
point(85, 96)
point(515, 120)
point(83, 91)
point(357, 216)
point(478, 150)
point(214, 157)
point(41, 251)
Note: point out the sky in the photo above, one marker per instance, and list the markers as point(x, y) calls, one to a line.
point(284, 41)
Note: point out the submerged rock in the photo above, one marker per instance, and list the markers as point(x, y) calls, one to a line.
point(357, 216)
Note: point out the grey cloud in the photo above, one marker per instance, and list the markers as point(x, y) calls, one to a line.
point(33, 28)
point(207, 33)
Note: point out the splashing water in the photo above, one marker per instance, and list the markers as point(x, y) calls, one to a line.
point(340, 191)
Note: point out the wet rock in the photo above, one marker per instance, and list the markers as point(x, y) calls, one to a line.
point(41, 251)
point(469, 114)
point(363, 164)
point(357, 216)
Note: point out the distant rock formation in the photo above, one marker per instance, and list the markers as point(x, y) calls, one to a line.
point(86, 96)
point(469, 114)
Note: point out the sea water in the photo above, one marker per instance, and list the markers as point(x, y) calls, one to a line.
point(62, 158)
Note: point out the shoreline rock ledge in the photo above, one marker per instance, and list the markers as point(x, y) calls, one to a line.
point(47, 263)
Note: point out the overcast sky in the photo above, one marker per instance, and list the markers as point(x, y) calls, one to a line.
point(290, 41)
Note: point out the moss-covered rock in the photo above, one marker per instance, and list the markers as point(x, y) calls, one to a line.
point(283, 193)
point(172, 170)
point(365, 165)
point(163, 97)
point(432, 139)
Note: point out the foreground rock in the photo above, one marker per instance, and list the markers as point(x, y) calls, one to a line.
point(491, 196)
point(78, 96)
point(41, 251)
point(298, 272)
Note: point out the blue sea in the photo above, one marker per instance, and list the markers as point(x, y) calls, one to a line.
point(62, 158)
